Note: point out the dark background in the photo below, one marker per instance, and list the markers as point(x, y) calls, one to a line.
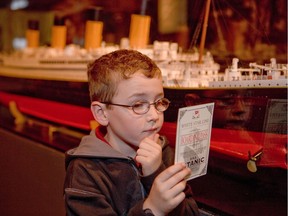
point(247, 29)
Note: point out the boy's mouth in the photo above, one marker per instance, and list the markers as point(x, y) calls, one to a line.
point(151, 130)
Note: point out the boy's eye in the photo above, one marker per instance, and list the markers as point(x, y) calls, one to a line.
point(142, 107)
point(140, 104)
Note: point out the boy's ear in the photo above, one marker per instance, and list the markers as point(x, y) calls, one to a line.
point(98, 111)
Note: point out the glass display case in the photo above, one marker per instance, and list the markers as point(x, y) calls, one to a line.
point(247, 168)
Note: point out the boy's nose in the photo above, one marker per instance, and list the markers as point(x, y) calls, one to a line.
point(153, 113)
point(239, 106)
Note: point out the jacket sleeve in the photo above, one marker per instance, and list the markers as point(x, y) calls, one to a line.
point(87, 194)
point(74, 206)
point(82, 195)
point(79, 202)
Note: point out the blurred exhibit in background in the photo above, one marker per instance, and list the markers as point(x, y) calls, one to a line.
point(237, 28)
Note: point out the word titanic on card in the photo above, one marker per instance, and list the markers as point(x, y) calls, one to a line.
point(193, 137)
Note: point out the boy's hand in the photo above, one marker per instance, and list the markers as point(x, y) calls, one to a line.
point(167, 190)
point(149, 155)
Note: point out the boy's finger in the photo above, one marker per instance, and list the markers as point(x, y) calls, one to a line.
point(171, 171)
point(156, 137)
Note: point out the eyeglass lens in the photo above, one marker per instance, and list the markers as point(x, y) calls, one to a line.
point(143, 107)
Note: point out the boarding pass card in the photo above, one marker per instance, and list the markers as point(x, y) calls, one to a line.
point(193, 137)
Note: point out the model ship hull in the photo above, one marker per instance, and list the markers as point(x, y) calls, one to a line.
point(77, 93)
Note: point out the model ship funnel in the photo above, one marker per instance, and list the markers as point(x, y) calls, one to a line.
point(139, 31)
point(140, 28)
point(93, 30)
point(32, 34)
point(59, 34)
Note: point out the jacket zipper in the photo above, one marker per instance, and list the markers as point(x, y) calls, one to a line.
point(138, 173)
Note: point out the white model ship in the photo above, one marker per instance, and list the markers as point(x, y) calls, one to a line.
point(183, 69)
point(179, 69)
point(258, 76)
point(69, 64)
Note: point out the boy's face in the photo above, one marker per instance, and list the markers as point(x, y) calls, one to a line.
point(127, 127)
point(232, 109)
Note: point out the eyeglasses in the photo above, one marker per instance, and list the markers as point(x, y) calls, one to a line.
point(142, 107)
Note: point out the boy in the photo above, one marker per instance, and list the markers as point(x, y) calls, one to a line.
point(125, 167)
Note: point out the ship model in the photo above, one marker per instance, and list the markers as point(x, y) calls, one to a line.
point(47, 86)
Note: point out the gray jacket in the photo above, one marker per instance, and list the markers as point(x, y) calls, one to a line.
point(102, 181)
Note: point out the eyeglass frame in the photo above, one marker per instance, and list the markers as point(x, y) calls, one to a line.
point(141, 102)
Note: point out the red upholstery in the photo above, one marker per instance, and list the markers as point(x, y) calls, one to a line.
point(237, 144)
point(61, 113)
